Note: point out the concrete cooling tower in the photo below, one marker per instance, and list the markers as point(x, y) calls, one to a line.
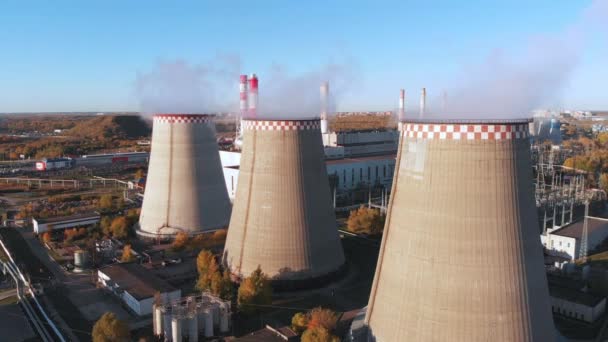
point(461, 258)
point(283, 219)
point(185, 189)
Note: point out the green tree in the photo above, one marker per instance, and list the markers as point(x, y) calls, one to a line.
point(365, 221)
point(602, 138)
point(127, 254)
point(318, 334)
point(299, 322)
point(180, 242)
point(320, 317)
point(106, 202)
point(604, 182)
point(120, 228)
point(221, 285)
point(254, 291)
point(206, 266)
point(110, 329)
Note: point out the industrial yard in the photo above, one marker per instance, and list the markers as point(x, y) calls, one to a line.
point(304, 172)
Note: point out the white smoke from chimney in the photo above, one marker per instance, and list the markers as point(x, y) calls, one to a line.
point(291, 95)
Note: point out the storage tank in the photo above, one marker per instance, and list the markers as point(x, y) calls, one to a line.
point(185, 188)
point(167, 315)
point(208, 317)
point(176, 328)
point(158, 320)
point(283, 218)
point(215, 312)
point(461, 258)
point(224, 318)
point(80, 260)
point(200, 315)
point(192, 327)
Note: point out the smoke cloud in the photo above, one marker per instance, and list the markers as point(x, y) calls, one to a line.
point(511, 84)
point(181, 87)
point(285, 95)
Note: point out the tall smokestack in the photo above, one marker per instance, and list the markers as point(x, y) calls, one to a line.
point(253, 96)
point(460, 258)
point(283, 219)
point(444, 101)
point(422, 103)
point(324, 106)
point(185, 189)
point(401, 114)
point(244, 106)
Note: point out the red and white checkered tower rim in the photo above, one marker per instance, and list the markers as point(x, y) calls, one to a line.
point(281, 125)
point(253, 96)
point(463, 130)
point(170, 118)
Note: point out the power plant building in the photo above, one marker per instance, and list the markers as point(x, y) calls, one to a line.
point(460, 258)
point(185, 185)
point(283, 219)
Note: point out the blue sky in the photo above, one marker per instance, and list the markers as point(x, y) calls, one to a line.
point(85, 55)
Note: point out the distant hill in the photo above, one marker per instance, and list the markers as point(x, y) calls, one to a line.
point(109, 126)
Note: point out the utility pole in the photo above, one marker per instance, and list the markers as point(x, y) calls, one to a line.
point(585, 236)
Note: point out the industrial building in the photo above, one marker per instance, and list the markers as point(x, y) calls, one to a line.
point(571, 298)
point(460, 258)
point(282, 219)
point(566, 241)
point(184, 187)
point(349, 173)
point(42, 225)
point(136, 286)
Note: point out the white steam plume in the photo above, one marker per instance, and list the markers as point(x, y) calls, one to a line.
point(512, 84)
point(285, 95)
point(180, 87)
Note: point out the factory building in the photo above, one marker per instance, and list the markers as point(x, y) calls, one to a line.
point(460, 258)
point(42, 225)
point(349, 173)
point(546, 129)
point(184, 187)
point(566, 241)
point(136, 286)
point(283, 219)
point(356, 144)
point(571, 298)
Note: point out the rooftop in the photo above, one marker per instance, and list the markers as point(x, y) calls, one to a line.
point(84, 216)
point(269, 334)
point(574, 296)
point(575, 230)
point(360, 159)
point(136, 280)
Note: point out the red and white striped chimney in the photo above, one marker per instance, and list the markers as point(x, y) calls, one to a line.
point(324, 106)
point(243, 101)
point(253, 96)
point(401, 115)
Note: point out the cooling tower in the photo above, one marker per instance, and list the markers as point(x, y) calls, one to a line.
point(283, 219)
point(185, 189)
point(461, 258)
